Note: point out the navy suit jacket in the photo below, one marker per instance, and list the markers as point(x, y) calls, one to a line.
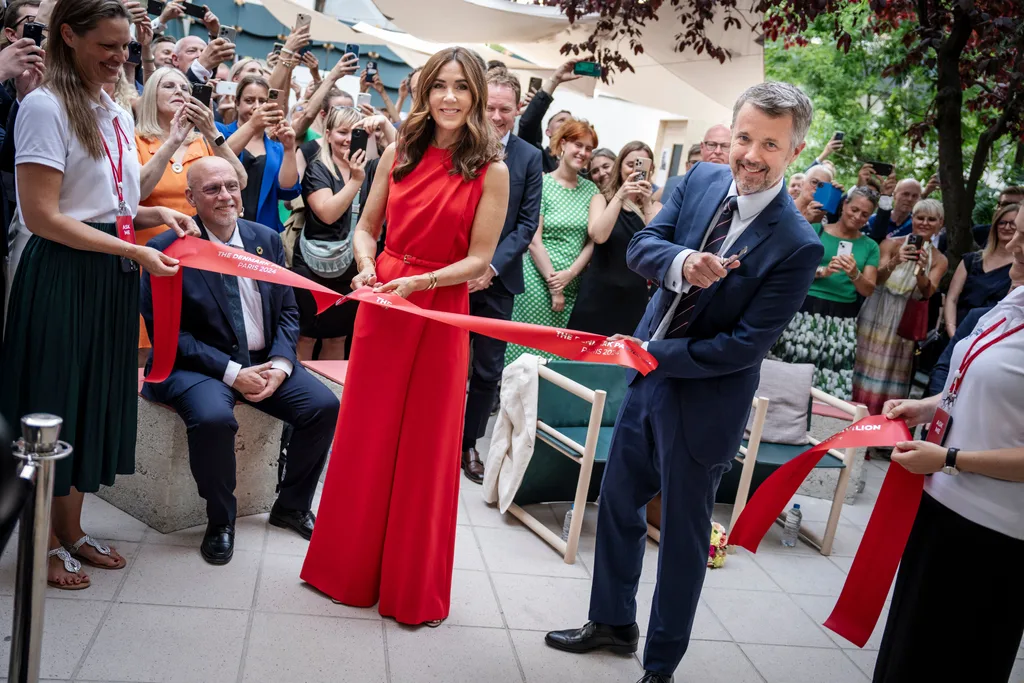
point(716, 367)
point(207, 340)
point(525, 184)
point(937, 381)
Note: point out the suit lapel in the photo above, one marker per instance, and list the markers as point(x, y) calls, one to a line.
point(214, 280)
point(251, 243)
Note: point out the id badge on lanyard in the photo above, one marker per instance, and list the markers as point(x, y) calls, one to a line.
point(124, 222)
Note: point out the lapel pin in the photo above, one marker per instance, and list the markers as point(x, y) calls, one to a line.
point(259, 250)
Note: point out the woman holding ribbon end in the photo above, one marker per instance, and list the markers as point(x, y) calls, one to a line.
point(73, 322)
point(939, 626)
point(386, 527)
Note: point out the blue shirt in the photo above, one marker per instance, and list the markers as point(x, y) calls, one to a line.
point(880, 232)
point(270, 189)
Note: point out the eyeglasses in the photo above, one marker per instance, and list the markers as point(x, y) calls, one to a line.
point(715, 146)
point(1006, 224)
point(28, 18)
point(214, 190)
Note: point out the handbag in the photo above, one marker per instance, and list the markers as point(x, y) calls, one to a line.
point(914, 323)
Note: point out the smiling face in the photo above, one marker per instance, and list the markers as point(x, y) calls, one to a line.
point(629, 161)
point(762, 149)
point(162, 54)
point(856, 212)
point(173, 92)
point(251, 98)
point(1006, 228)
point(101, 52)
point(601, 169)
point(926, 224)
point(214, 191)
point(340, 139)
point(187, 51)
point(576, 153)
point(908, 194)
point(450, 99)
point(501, 108)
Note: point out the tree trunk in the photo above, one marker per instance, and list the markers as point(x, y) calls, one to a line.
point(1018, 158)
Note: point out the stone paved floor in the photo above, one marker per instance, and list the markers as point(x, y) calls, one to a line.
point(169, 616)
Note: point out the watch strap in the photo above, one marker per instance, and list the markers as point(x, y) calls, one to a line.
point(951, 457)
point(219, 141)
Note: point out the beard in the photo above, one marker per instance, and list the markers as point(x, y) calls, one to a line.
point(752, 184)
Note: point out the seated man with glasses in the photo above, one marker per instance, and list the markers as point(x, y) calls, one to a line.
point(237, 343)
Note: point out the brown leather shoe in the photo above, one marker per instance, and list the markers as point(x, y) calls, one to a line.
point(473, 466)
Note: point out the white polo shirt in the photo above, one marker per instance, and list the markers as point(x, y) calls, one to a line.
point(988, 415)
point(88, 192)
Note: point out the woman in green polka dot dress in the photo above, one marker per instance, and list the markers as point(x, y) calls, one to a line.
point(561, 249)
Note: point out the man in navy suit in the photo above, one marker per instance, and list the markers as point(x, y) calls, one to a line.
point(710, 325)
point(237, 343)
point(491, 296)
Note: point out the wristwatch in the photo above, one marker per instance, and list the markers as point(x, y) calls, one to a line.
point(950, 467)
point(219, 141)
point(885, 203)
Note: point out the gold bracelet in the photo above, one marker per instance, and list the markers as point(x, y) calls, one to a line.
point(433, 280)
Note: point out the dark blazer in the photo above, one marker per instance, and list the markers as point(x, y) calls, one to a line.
point(736, 320)
point(525, 184)
point(937, 380)
point(207, 340)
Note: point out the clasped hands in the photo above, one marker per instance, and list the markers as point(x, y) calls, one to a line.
point(258, 382)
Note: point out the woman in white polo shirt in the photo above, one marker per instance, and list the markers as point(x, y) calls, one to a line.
point(73, 323)
point(957, 611)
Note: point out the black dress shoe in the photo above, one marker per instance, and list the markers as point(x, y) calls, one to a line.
point(622, 640)
point(299, 522)
point(473, 466)
point(218, 543)
point(651, 677)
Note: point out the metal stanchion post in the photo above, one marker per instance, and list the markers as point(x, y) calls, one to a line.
point(39, 448)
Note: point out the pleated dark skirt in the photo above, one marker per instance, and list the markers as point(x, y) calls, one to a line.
point(70, 349)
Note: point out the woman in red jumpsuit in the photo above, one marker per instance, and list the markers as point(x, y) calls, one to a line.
point(386, 524)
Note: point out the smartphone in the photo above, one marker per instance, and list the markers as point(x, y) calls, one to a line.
point(352, 49)
point(135, 52)
point(278, 47)
point(828, 196)
point(305, 49)
point(302, 20)
point(362, 98)
point(227, 88)
point(202, 92)
point(360, 138)
point(881, 168)
point(193, 10)
point(838, 135)
point(845, 248)
point(34, 30)
point(916, 241)
point(592, 69)
point(642, 168)
point(536, 84)
point(371, 71)
point(274, 96)
point(228, 33)
point(155, 7)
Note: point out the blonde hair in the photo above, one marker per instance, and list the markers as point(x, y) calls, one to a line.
point(125, 94)
point(62, 75)
point(240, 65)
point(339, 117)
point(930, 207)
point(148, 125)
point(477, 145)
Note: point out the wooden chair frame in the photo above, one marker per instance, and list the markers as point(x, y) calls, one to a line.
point(584, 457)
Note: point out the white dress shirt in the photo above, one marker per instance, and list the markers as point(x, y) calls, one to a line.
point(252, 313)
point(748, 207)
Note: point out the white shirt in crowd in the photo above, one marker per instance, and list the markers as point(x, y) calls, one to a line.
point(988, 415)
point(748, 207)
point(88, 192)
point(252, 314)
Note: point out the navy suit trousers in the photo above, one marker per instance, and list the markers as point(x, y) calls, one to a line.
point(649, 454)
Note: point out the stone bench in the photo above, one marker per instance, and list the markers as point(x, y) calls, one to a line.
point(162, 492)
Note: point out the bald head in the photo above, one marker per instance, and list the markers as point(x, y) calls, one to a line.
point(214, 190)
point(186, 51)
point(907, 195)
point(714, 148)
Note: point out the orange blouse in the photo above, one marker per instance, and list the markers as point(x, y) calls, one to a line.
point(170, 191)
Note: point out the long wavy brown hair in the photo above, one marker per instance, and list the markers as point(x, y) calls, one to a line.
point(477, 145)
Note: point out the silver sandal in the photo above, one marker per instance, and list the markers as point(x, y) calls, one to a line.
point(98, 547)
point(71, 566)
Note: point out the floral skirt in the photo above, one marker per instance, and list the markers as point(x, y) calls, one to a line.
point(823, 333)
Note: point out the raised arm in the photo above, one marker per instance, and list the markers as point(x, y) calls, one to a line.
point(346, 66)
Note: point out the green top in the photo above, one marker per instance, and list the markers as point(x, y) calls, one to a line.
point(566, 213)
point(838, 286)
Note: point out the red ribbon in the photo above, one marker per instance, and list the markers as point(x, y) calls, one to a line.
point(201, 254)
point(874, 566)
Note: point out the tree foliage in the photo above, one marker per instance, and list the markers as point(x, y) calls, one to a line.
point(953, 68)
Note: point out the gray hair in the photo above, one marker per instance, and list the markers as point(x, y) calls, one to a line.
point(930, 207)
point(863, 192)
point(776, 99)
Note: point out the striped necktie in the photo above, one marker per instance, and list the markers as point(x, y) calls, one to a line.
point(715, 239)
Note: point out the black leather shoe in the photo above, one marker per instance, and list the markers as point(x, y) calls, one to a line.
point(622, 640)
point(218, 543)
point(473, 466)
point(651, 677)
point(299, 522)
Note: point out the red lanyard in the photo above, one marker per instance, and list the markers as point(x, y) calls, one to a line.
point(969, 357)
point(117, 170)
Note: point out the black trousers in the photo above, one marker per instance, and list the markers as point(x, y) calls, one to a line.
point(301, 401)
point(488, 360)
point(957, 613)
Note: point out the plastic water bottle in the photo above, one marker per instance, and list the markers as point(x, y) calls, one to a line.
point(566, 524)
point(792, 530)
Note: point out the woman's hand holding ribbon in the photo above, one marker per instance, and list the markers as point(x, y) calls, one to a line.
point(920, 457)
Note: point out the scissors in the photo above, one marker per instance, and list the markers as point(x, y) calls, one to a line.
point(735, 257)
